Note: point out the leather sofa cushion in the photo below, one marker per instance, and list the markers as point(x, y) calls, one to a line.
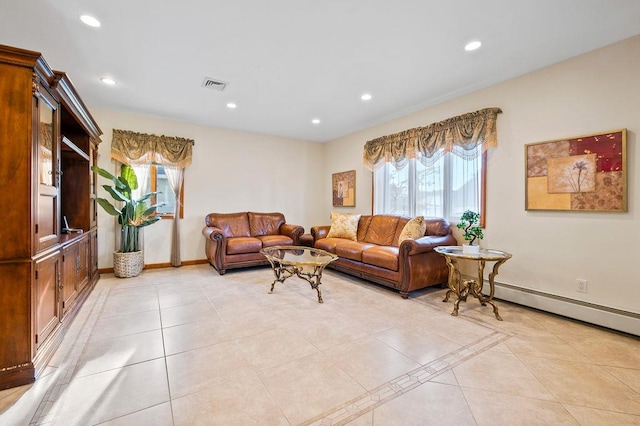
point(274, 240)
point(382, 256)
point(265, 223)
point(239, 245)
point(352, 249)
point(231, 224)
point(382, 230)
point(329, 244)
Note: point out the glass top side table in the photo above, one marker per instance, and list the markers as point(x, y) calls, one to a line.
point(461, 287)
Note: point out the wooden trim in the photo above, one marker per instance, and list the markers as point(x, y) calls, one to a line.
point(160, 265)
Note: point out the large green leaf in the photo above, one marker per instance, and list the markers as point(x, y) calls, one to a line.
point(129, 175)
point(108, 207)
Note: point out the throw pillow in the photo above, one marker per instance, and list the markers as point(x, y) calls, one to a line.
point(415, 228)
point(344, 225)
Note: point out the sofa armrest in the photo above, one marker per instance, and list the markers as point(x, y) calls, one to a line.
point(319, 232)
point(212, 233)
point(426, 244)
point(292, 231)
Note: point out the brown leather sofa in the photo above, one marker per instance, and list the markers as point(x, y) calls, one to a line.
point(376, 256)
point(234, 240)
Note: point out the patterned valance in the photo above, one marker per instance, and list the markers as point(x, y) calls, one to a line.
point(140, 148)
point(459, 135)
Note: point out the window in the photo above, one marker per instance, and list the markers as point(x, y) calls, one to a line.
point(157, 181)
point(445, 187)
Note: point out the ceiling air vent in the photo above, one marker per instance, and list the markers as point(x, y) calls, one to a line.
point(212, 83)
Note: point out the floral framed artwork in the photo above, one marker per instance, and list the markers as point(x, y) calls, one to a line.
point(583, 173)
point(343, 186)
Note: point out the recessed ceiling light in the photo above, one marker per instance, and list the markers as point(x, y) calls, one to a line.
point(231, 105)
point(472, 45)
point(366, 97)
point(108, 81)
point(316, 121)
point(90, 21)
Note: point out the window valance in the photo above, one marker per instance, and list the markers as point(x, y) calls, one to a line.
point(459, 135)
point(140, 148)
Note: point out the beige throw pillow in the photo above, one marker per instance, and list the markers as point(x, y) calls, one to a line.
point(415, 228)
point(344, 225)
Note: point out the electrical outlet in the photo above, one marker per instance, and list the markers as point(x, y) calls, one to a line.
point(581, 285)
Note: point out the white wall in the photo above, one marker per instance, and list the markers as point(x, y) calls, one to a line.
point(231, 171)
point(592, 93)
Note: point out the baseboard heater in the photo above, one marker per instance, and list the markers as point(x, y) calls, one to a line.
point(615, 319)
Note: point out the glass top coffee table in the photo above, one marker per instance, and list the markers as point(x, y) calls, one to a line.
point(305, 262)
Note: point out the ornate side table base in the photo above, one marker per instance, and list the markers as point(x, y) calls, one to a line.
point(461, 287)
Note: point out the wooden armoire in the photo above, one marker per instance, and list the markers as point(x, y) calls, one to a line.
point(48, 232)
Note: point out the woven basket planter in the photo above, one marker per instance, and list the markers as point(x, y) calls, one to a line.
point(127, 265)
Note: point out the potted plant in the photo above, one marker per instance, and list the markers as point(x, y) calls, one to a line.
point(469, 223)
point(133, 215)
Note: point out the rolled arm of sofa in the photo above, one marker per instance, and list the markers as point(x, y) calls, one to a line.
point(292, 231)
point(319, 232)
point(215, 245)
point(426, 244)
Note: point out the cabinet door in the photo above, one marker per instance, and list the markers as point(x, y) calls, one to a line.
point(82, 272)
point(93, 256)
point(47, 313)
point(47, 170)
point(69, 271)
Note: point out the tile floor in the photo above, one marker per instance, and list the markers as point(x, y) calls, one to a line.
point(188, 347)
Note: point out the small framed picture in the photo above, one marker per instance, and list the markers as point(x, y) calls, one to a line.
point(343, 185)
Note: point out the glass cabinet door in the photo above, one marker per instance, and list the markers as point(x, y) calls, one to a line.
point(47, 178)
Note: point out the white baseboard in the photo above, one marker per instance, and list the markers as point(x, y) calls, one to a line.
point(615, 319)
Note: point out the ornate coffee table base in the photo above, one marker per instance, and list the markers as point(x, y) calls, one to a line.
point(282, 272)
point(287, 261)
point(461, 287)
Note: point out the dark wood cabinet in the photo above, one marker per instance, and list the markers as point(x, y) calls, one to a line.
point(48, 142)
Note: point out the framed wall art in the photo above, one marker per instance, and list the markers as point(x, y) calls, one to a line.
point(343, 185)
point(583, 173)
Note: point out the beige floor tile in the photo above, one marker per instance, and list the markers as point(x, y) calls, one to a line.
point(114, 393)
point(184, 314)
point(502, 372)
point(130, 305)
point(371, 362)
point(186, 297)
point(544, 346)
point(496, 408)
point(586, 385)
point(306, 387)
point(274, 347)
point(123, 324)
point(592, 417)
point(628, 376)
point(107, 354)
point(446, 378)
point(202, 368)
point(606, 347)
point(428, 404)
point(195, 335)
point(158, 415)
point(240, 401)
point(420, 345)
point(325, 333)
point(363, 420)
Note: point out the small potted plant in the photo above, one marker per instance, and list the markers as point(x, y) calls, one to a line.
point(132, 215)
point(471, 231)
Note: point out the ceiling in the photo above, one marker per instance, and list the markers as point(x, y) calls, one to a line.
point(289, 61)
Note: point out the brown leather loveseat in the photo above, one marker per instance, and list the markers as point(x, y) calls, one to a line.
point(234, 240)
point(376, 256)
